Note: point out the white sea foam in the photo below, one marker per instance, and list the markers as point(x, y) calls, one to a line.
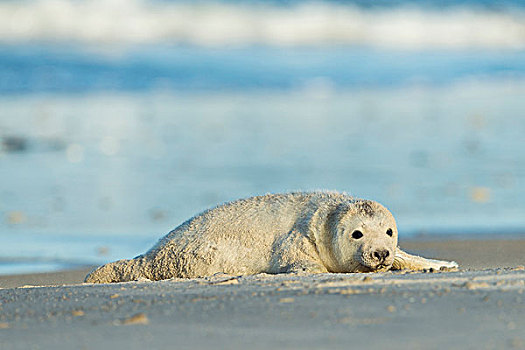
point(219, 23)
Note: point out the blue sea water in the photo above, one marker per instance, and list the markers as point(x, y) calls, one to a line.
point(34, 69)
point(119, 120)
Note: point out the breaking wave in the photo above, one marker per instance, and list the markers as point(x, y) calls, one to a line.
point(409, 26)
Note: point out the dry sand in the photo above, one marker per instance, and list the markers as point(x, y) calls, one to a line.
point(480, 306)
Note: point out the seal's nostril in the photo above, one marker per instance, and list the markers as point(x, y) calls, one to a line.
point(381, 255)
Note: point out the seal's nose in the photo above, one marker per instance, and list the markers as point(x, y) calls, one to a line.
point(380, 255)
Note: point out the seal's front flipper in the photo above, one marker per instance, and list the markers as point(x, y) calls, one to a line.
point(405, 261)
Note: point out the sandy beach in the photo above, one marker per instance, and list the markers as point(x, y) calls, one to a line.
point(479, 306)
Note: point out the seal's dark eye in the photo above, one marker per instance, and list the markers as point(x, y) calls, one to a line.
point(357, 234)
point(389, 232)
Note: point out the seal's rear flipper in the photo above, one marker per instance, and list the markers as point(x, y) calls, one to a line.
point(120, 271)
point(405, 261)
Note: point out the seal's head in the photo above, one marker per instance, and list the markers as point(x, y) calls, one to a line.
point(364, 237)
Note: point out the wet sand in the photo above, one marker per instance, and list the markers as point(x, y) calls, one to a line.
point(480, 306)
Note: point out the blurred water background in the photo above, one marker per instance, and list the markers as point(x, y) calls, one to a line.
point(120, 119)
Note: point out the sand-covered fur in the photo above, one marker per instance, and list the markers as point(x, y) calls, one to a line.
point(309, 232)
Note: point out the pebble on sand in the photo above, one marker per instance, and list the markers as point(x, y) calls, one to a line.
point(139, 318)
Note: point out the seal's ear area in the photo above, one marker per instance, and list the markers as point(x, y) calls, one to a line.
point(334, 217)
point(405, 261)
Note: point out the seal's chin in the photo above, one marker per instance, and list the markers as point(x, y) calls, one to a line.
point(377, 268)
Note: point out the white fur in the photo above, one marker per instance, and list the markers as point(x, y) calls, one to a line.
point(275, 233)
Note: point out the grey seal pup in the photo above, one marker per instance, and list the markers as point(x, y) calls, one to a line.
point(300, 232)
